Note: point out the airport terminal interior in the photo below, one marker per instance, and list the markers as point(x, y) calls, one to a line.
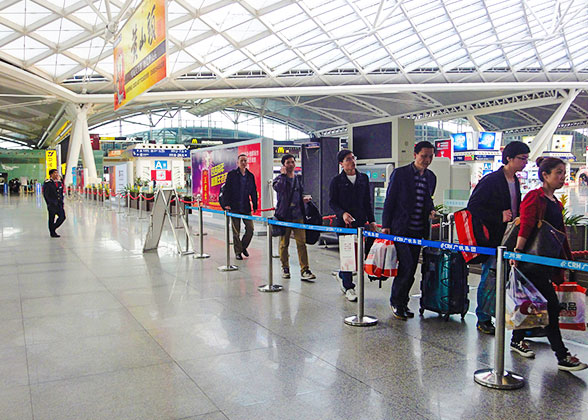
point(142, 107)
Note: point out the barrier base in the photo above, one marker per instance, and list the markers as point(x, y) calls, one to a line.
point(490, 378)
point(227, 268)
point(366, 321)
point(182, 253)
point(200, 256)
point(270, 288)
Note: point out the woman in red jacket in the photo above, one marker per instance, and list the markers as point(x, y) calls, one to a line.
point(541, 204)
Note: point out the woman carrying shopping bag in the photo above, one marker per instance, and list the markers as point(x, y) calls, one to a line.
point(540, 206)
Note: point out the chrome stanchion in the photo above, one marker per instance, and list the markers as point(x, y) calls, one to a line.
point(141, 206)
point(228, 266)
point(201, 232)
point(360, 320)
point(270, 286)
point(128, 203)
point(119, 208)
point(499, 378)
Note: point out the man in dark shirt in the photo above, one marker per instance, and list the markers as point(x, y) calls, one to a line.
point(240, 189)
point(53, 194)
point(290, 208)
point(407, 209)
point(351, 200)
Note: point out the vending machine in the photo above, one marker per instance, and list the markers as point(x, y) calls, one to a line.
point(378, 175)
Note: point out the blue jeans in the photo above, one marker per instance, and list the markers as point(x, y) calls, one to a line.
point(486, 266)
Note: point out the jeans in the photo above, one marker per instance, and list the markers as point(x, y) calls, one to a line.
point(541, 280)
point(54, 224)
point(408, 260)
point(240, 244)
point(490, 263)
point(300, 237)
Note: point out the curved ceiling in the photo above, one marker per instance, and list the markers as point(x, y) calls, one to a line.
point(49, 47)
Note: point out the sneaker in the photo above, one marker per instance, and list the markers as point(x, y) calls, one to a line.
point(239, 257)
point(350, 295)
point(486, 327)
point(340, 280)
point(398, 313)
point(571, 363)
point(285, 272)
point(522, 348)
point(307, 276)
point(245, 253)
point(408, 313)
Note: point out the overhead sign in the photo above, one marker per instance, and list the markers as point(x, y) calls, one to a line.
point(183, 153)
point(50, 160)
point(443, 148)
point(140, 52)
point(160, 164)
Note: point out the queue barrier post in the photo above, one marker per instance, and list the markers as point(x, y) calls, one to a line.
point(228, 266)
point(497, 377)
point(360, 320)
point(201, 254)
point(270, 286)
point(141, 206)
point(119, 208)
point(128, 203)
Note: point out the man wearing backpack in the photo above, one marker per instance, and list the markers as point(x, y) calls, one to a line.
point(239, 192)
point(290, 208)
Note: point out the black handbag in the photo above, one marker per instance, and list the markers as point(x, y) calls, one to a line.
point(281, 230)
point(545, 241)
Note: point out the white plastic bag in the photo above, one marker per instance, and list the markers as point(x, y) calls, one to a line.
point(525, 305)
point(347, 252)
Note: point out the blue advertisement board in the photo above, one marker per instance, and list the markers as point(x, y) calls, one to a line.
point(460, 143)
point(487, 141)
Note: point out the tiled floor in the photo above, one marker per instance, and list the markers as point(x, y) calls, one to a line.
point(90, 328)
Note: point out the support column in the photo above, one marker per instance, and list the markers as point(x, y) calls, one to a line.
point(475, 124)
point(403, 138)
point(542, 139)
point(80, 139)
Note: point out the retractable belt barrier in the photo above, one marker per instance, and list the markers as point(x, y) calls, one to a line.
point(552, 262)
point(433, 244)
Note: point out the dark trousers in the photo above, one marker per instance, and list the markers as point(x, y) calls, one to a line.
point(54, 224)
point(541, 280)
point(408, 260)
point(238, 243)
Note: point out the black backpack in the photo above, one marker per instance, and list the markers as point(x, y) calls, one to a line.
point(313, 217)
point(222, 196)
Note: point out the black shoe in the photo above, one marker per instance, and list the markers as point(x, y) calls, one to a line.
point(285, 272)
point(245, 253)
point(409, 313)
point(55, 235)
point(570, 363)
point(239, 257)
point(399, 313)
point(486, 327)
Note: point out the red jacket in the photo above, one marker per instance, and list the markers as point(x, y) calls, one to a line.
point(532, 210)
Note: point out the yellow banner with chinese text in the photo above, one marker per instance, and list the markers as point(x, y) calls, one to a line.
point(50, 161)
point(140, 52)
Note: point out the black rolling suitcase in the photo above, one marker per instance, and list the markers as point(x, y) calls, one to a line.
point(444, 284)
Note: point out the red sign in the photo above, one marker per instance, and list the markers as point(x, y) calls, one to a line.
point(95, 140)
point(443, 148)
point(160, 175)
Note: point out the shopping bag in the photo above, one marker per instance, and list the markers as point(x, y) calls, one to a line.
point(467, 235)
point(525, 305)
point(572, 298)
point(381, 260)
point(347, 252)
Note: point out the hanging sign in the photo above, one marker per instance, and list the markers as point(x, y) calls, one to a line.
point(50, 160)
point(140, 52)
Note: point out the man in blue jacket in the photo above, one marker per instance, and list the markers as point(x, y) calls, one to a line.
point(290, 208)
point(407, 209)
point(350, 199)
point(241, 192)
point(494, 202)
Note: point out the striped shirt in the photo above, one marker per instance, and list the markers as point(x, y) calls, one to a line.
point(417, 217)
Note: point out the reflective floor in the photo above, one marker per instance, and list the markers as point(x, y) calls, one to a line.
point(91, 328)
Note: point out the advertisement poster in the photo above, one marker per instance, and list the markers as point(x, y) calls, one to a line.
point(561, 143)
point(443, 148)
point(210, 169)
point(140, 52)
point(460, 143)
point(487, 141)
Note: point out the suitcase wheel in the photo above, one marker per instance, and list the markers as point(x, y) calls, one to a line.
point(446, 317)
point(421, 311)
point(463, 315)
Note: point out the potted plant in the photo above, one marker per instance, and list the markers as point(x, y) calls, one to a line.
point(575, 226)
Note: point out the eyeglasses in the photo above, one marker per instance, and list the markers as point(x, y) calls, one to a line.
point(522, 158)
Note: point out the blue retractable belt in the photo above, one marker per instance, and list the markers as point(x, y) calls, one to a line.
point(433, 244)
point(247, 217)
point(345, 231)
point(552, 262)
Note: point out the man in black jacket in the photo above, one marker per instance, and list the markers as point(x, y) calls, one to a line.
point(407, 209)
point(240, 189)
point(350, 199)
point(53, 194)
point(494, 202)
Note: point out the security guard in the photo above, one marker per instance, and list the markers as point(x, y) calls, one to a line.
point(53, 194)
